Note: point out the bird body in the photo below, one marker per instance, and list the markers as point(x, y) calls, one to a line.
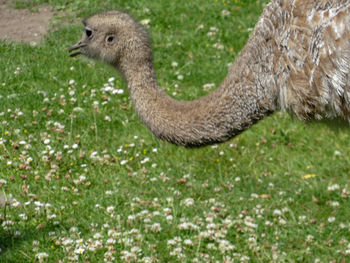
point(297, 59)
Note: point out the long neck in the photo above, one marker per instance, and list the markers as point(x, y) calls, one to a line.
point(239, 102)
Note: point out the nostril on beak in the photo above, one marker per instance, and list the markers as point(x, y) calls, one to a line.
point(74, 47)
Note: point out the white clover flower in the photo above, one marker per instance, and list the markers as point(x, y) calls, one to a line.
point(188, 242)
point(82, 178)
point(73, 229)
point(110, 209)
point(331, 219)
point(309, 238)
point(225, 13)
point(145, 160)
point(79, 250)
point(188, 202)
point(337, 153)
point(52, 216)
point(219, 46)
point(200, 27)
point(38, 204)
point(108, 257)
point(97, 236)
point(156, 227)
point(42, 256)
point(2, 182)
point(23, 216)
point(281, 221)
point(110, 241)
point(225, 246)
point(180, 77)
point(174, 64)
point(78, 109)
point(333, 187)
point(171, 242)
point(277, 212)
point(334, 204)
point(145, 22)
point(208, 86)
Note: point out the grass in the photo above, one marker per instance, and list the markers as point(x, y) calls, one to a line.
point(82, 180)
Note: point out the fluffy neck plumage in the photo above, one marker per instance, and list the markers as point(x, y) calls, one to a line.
point(238, 103)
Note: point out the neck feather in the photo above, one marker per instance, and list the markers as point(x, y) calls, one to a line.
point(239, 102)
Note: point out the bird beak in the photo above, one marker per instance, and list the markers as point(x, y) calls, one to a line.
point(74, 47)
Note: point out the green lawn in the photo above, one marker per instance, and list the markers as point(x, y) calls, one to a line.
point(82, 180)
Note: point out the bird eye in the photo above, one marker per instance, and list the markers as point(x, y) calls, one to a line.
point(88, 32)
point(110, 39)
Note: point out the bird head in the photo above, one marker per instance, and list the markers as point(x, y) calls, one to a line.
point(112, 37)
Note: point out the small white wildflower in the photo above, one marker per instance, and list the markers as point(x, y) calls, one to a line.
point(225, 13)
point(309, 238)
point(110, 241)
point(156, 227)
point(97, 236)
point(2, 182)
point(281, 221)
point(277, 212)
point(79, 250)
point(331, 219)
point(208, 86)
point(219, 46)
point(73, 229)
point(42, 256)
point(200, 27)
point(188, 242)
point(333, 187)
point(110, 209)
point(189, 202)
point(145, 22)
point(337, 153)
point(78, 109)
point(23, 216)
point(334, 203)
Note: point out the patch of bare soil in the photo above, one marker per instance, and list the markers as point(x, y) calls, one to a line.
point(22, 24)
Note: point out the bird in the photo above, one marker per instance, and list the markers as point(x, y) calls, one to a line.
point(297, 59)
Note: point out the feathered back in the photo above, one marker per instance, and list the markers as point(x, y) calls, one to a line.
point(306, 44)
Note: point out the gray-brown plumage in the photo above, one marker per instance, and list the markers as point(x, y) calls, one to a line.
point(297, 59)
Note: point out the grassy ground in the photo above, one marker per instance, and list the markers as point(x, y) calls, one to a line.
point(81, 179)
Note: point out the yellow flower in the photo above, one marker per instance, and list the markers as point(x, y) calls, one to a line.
point(307, 176)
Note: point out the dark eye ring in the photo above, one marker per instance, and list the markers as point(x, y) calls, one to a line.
point(88, 32)
point(110, 39)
